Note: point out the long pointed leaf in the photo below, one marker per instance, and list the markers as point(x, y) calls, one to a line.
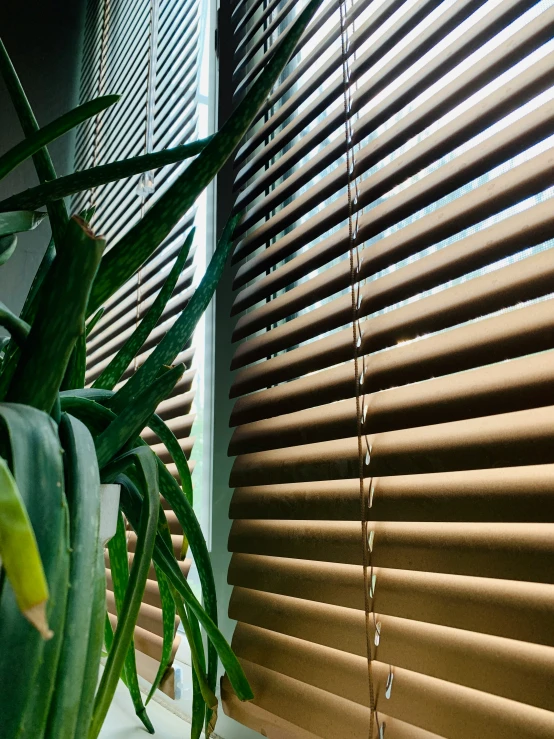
point(95, 176)
point(83, 494)
point(45, 135)
point(119, 567)
point(168, 438)
point(42, 160)
point(146, 537)
point(8, 244)
point(94, 648)
point(168, 623)
point(19, 220)
point(139, 243)
point(18, 329)
point(60, 319)
point(130, 422)
point(115, 369)
point(183, 328)
point(36, 463)
point(167, 563)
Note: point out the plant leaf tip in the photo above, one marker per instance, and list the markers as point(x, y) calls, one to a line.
point(36, 615)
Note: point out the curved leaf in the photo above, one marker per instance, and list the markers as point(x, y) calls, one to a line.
point(183, 328)
point(119, 567)
point(20, 220)
point(115, 369)
point(42, 160)
point(88, 179)
point(146, 536)
point(45, 135)
point(83, 496)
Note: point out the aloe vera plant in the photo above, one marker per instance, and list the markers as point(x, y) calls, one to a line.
point(59, 439)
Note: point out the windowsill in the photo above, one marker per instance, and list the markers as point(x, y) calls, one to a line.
point(122, 723)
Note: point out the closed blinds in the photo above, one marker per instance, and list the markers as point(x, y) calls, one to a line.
point(147, 51)
point(393, 534)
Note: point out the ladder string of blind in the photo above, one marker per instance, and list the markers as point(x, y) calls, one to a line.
point(351, 183)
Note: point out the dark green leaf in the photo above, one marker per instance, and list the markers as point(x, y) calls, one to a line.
point(168, 621)
point(94, 648)
point(115, 369)
point(83, 497)
point(94, 320)
point(74, 377)
point(37, 140)
point(30, 442)
point(19, 220)
point(168, 438)
point(163, 557)
point(7, 247)
point(183, 328)
point(132, 419)
point(146, 528)
point(42, 161)
point(16, 327)
point(59, 321)
point(95, 176)
point(119, 568)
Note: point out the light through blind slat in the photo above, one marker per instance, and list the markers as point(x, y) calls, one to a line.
point(426, 221)
point(149, 55)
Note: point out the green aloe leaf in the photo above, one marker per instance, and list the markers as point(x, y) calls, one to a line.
point(168, 438)
point(19, 220)
point(19, 553)
point(8, 245)
point(83, 497)
point(168, 605)
point(146, 528)
point(42, 160)
point(27, 314)
point(168, 622)
point(76, 368)
point(139, 243)
point(88, 179)
point(31, 445)
point(183, 328)
point(163, 557)
point(115, 369)
point(194, 638)
point(60, 319)
point(94, 648)
point(17, 328)
point(132, 419)
point(119, 567)
point(94, 320)
point(29, 307)
point(45, 135)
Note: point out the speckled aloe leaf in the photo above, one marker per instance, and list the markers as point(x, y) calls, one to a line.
point(115, 369)
point(59, 320)
point(88, 179)
point(119, 567)
point(183, 328)
point(45, 135)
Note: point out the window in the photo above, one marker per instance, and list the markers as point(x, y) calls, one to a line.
point(149, 53)
point(393, 425)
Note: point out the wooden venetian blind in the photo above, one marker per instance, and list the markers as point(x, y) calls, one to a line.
point(147, 51)
point(393, 534)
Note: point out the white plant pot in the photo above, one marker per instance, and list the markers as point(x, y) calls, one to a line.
point(109, 508)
